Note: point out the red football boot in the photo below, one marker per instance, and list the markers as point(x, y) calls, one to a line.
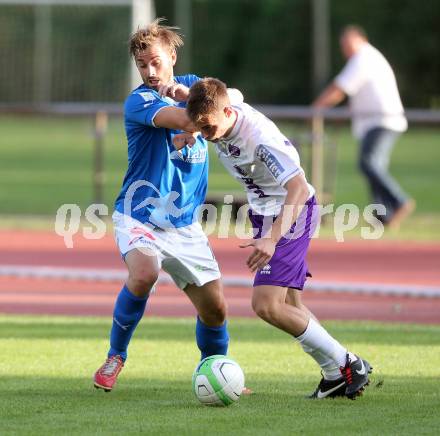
point(105, 377)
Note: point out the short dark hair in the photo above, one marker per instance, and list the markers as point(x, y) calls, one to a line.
point(205, 97)
point(354, 28)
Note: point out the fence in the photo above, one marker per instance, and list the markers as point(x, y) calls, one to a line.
point(318, 152)
point(76, 50)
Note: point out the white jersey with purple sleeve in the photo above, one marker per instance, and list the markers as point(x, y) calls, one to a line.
point(261, 158)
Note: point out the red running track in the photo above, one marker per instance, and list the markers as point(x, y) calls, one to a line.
point(356, 261)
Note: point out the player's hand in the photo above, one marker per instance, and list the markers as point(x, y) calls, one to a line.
point(176, 91)
point(181, 140)
point(264, 249)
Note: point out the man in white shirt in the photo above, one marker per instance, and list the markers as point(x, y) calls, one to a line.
point(283, 215)
point(377, 118)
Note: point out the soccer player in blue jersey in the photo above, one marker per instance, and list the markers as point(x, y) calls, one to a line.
point(155, 214)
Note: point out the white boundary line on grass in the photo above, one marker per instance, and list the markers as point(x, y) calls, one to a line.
point(110, 275)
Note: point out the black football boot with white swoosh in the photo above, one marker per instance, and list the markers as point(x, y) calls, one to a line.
point(355, 374)
point(329, 389)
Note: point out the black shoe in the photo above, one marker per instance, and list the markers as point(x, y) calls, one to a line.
point(356, 376)
point(329, 389)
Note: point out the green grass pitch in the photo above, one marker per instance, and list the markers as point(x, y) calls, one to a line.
point(48, 161)
point(48, 362)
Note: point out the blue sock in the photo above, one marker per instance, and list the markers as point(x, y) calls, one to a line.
point(212, 340)
point(128, 311)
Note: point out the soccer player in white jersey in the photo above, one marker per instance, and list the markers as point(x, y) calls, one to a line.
point(282, 213)
point(377, 118)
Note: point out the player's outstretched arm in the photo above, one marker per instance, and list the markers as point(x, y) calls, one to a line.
point(171, 117)
point(331, 96)
point(179, 92)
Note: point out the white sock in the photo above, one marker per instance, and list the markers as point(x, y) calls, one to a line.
point(330, 370)
point(316, 338)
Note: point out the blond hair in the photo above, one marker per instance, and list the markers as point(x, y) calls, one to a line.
point(206, 96)
point(155, 32)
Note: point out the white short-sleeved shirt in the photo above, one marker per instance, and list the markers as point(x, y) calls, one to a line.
point(369, 81)
point(261, 158)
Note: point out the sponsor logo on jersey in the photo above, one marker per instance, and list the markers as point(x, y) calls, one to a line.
point(177, 155)
point(249, 182)
point(240, 171)
point(271, 162)
point(234, 151)
point(190, 156)
point(149, 97)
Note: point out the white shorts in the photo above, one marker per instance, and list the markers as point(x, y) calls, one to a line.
point(183, 252)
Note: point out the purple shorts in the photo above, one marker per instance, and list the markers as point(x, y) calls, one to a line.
point(288, 266)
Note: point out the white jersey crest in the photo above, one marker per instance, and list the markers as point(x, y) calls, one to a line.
point(261, 158)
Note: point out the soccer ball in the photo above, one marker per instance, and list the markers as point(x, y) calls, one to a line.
point(218, 381)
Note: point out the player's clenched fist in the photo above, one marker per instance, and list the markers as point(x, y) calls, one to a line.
point(176, 91)
point(181, 140)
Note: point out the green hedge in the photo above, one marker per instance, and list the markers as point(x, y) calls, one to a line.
point(260, 46)
point(264, 46)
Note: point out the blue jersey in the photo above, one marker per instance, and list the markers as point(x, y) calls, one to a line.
point(162, 186)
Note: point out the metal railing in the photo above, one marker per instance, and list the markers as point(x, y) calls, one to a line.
point(317, 120)
point(276, 112)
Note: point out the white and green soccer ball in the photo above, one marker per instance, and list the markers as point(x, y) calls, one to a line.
point(218, 381)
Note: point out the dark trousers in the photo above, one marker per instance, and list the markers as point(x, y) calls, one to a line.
point(374, 158)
